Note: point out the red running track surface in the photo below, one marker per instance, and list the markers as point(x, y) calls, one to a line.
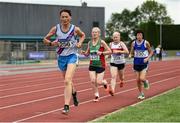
point(38, 97)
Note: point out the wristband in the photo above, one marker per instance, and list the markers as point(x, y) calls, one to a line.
point(50, 43)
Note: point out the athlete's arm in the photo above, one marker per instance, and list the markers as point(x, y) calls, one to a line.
point(46, 39)
point(81, 35)
point(149, 49)
point(86, 53)
point(110, 49)
point(131, 50)
point(124, 51)
point(107, 49)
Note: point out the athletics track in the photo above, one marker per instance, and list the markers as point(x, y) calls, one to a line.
point(34, 93)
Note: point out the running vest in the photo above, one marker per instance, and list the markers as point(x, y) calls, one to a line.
point(95, 59)
point(140, 52)
point(117, 58)
point(67, 41)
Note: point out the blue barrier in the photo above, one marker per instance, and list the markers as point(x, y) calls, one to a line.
point(36, 55)
point(177, 53)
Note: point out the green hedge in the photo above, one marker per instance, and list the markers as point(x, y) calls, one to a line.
point(170, 35)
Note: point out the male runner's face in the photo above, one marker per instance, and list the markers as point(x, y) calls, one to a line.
point(65, 18)
point(139, 36)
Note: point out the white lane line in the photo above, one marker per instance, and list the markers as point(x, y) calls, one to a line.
point(24, 79)
point(38, 100)
point(26, 86)
point(40, 90)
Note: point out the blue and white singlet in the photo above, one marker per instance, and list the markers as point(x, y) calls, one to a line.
point(67, 41)
point(140, 52)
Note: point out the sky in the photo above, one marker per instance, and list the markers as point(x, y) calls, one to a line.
point(111, 6)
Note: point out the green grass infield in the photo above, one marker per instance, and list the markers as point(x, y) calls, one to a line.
point(163, 108)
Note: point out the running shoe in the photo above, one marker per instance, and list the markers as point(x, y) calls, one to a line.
point(75, 100)
point(111, 92)
point(141, 96)
point(96, 99)
point(65, 110)
point(121, 84)
point(146, 84)
point(106, 87)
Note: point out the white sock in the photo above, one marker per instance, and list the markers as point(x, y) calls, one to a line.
point(104, 82)
point(113, 85)
point(96, 94)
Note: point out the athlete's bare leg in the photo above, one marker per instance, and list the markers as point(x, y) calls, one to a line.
point(121, 77)
point(92, 75)
point(139, 85)
point(68, 82)
point(114, 72)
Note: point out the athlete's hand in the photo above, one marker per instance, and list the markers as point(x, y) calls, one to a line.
point(55, 43)
point(82, 52)
point(99, 53)
point(78, 45)
point(146, 60)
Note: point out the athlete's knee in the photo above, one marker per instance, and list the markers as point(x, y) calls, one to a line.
point(113, 77)
point(142, 79)
point(99, 82)
point(93, 81)
point(68, 81)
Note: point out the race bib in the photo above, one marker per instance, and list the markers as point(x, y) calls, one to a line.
point(141, 53)
point(66, 44)
point(94, 56)
point(117, 58)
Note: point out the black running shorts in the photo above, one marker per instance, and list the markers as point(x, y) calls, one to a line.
point(119, 66)
point(140, 68)
point(96, 69)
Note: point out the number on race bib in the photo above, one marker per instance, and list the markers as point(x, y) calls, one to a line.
point(94, 56)
point(117, 58)
point(67, 44)
point(140, 53)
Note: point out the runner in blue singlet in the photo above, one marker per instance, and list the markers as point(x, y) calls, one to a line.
point(141, 50)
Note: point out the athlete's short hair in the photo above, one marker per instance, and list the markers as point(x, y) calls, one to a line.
point(139, 31)
point(97, 28)
point(65, 10)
